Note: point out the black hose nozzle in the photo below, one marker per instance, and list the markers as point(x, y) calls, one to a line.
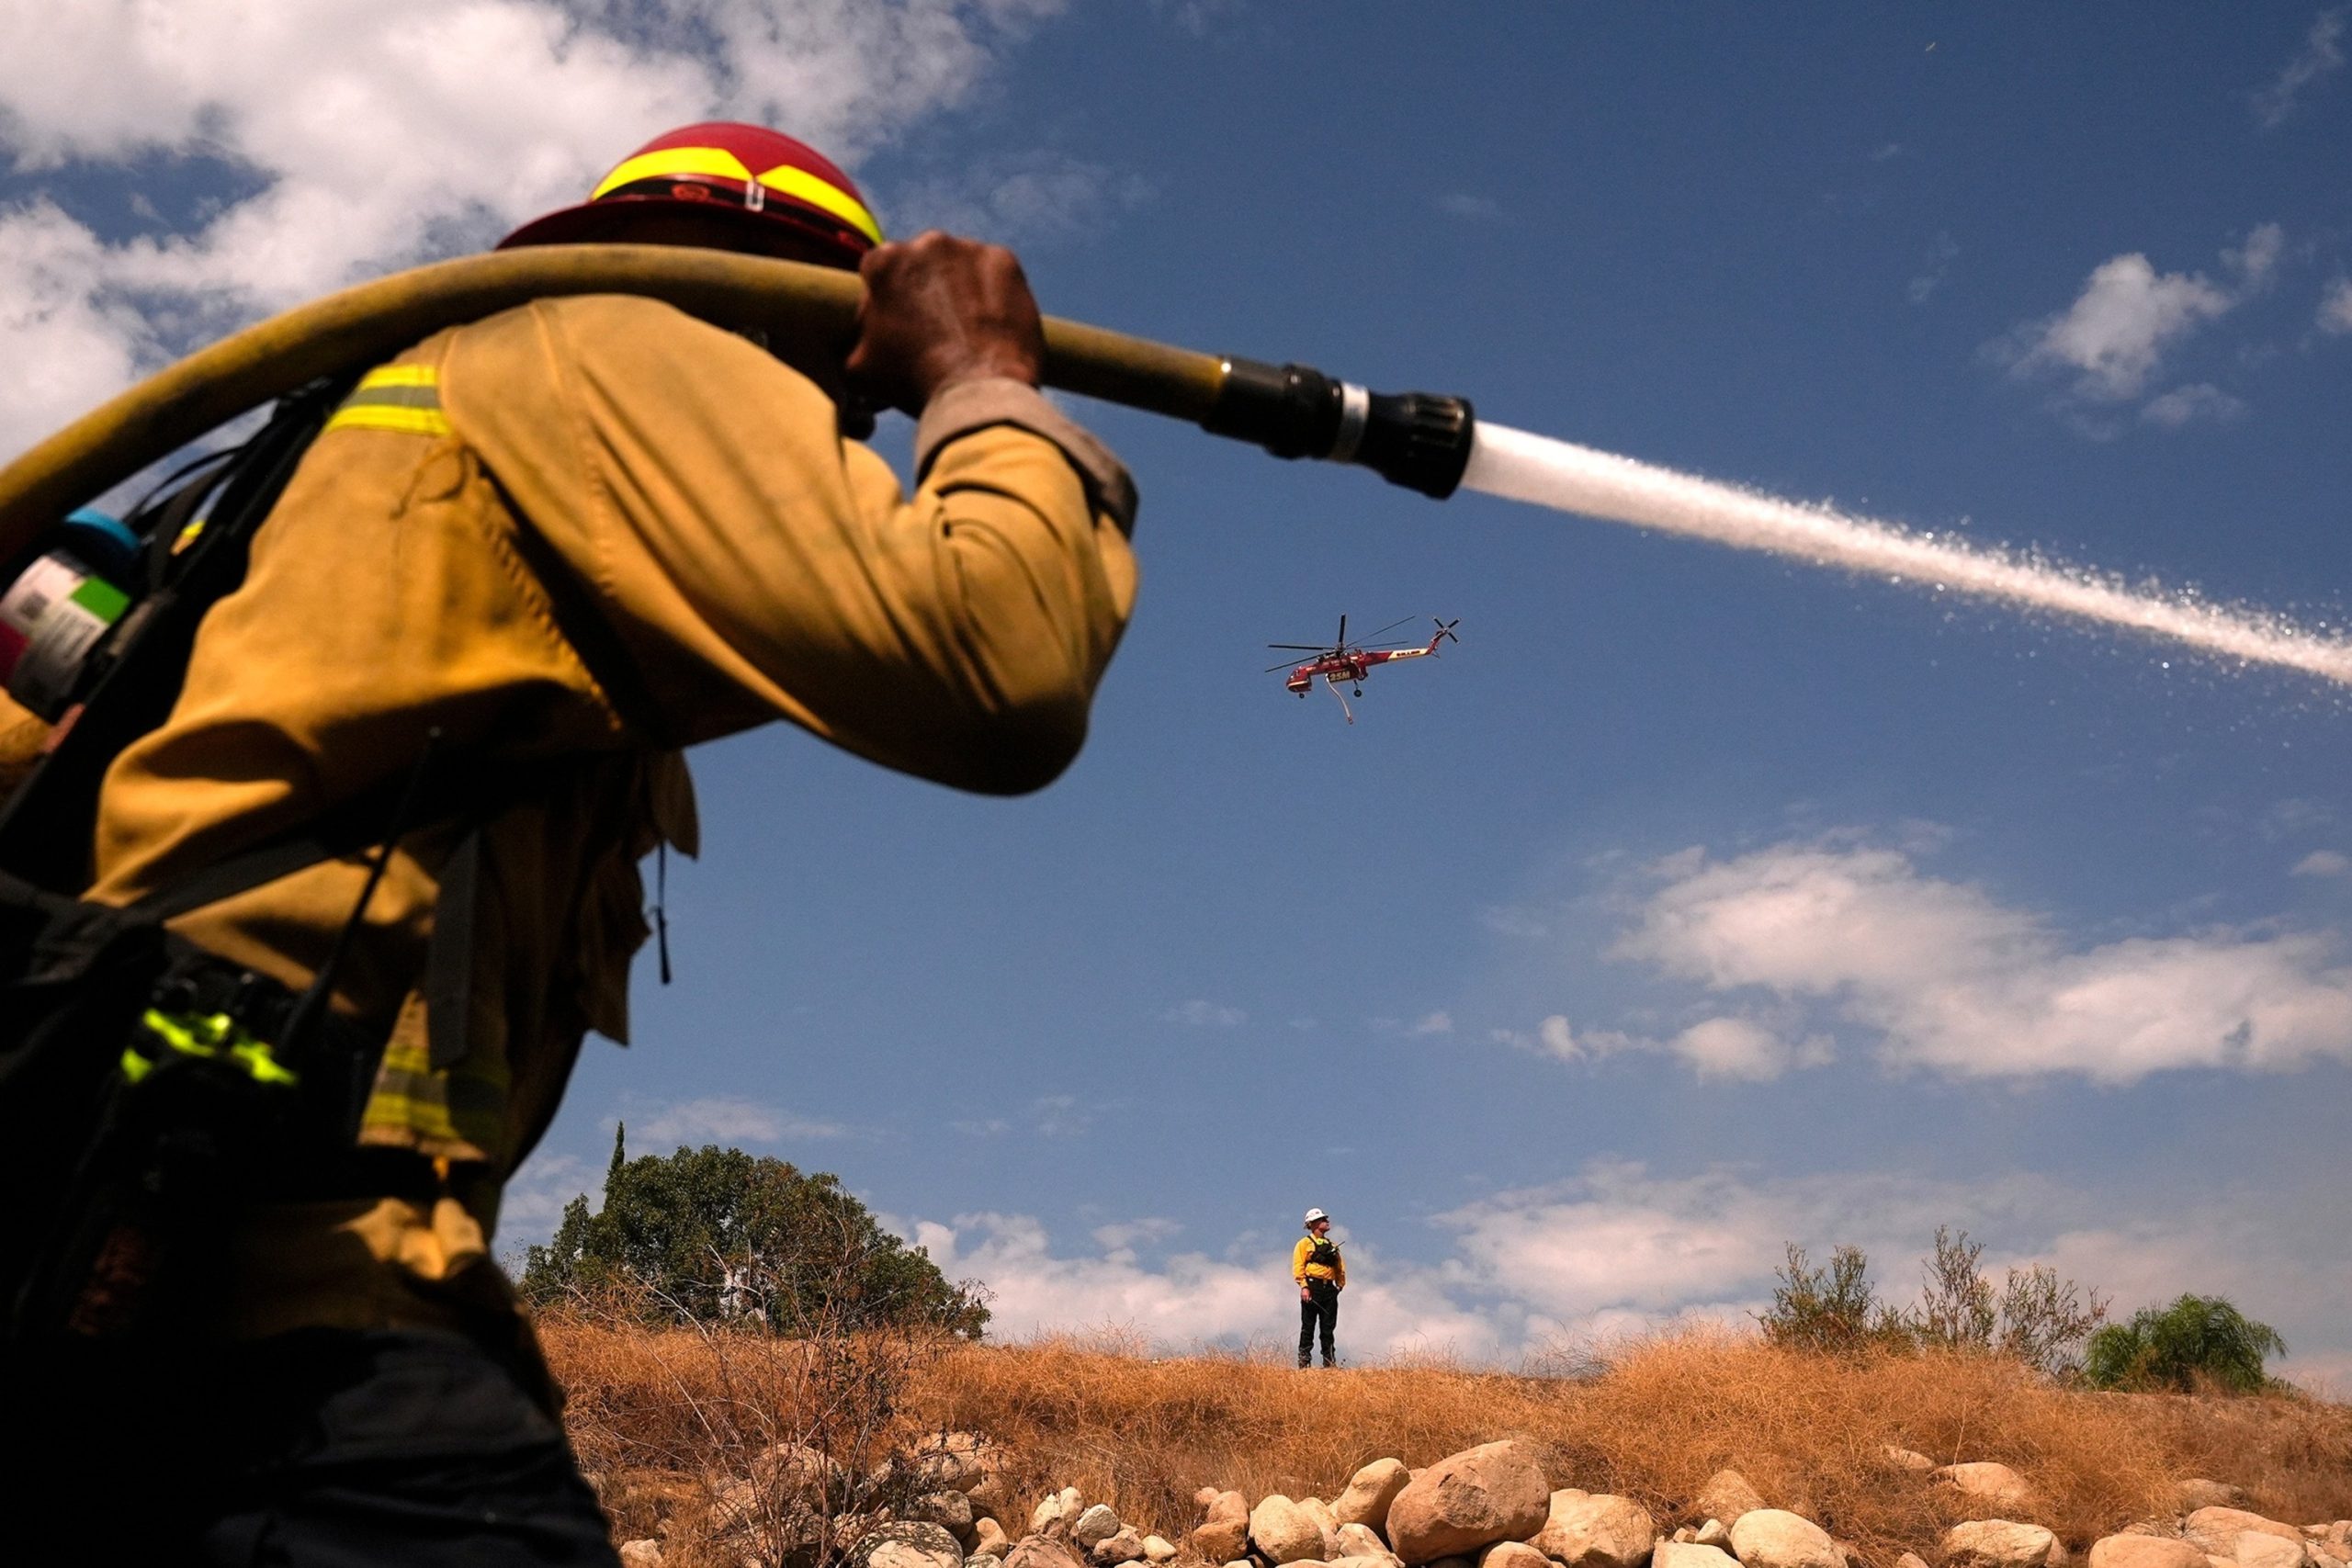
point(1418, 440)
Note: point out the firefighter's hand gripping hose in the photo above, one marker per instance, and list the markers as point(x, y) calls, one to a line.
point(1414, 439)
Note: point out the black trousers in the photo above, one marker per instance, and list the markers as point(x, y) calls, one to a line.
point(325, 1447)
point(1320, 1306)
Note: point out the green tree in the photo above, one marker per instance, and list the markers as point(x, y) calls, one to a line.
point(2195, 1340)
point(716, 1233)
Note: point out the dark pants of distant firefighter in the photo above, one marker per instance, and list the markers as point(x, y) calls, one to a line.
point(1319, 1305)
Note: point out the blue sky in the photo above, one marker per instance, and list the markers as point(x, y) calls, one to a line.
point(1700, 901)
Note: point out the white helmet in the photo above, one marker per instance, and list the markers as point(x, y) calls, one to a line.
point(1315, 1214)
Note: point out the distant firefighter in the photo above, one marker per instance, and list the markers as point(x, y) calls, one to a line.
point(1321, 1274)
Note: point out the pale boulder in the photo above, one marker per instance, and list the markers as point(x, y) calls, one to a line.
point(1513, 1554)
point(1713, 1533)
point(951, 1462)
point(1907, 1459)
point(1285, 1531)
point(2198, 1492)
point(1909, 1560)
point(992, 1495)
point(2132, 1551)
point(1775, 1538)
point(2256, 1549)
point(988, 1539)
point(1466, 1501)
point(1159, 1549)
point(1059, 1508)
point(1362, 1541)
point(1998, 1543)
point(951, 1511)
point(1094, 1526)
point(640, 1554)
point(2216, 1530)
point(1369, 1493)
point(1225, 1534)
point(1726, 1496)
point(906, 1543)
point(1588, 1529)
point(1123, 1545)
point(1685, 1554)
point(1045, 1552)
point(1995, 1485)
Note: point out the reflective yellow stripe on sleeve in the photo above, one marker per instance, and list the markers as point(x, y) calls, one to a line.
point(406, 398)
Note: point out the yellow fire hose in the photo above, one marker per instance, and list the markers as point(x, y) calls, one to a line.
point(1414, 439)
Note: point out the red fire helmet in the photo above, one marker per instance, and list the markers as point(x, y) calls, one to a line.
point(761, 177)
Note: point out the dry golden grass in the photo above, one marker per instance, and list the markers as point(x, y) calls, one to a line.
point(1808, 1431)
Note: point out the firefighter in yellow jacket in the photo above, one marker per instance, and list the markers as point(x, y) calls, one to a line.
point(575, 538)
point(1321, 1274)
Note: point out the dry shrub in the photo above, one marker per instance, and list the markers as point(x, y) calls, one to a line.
point(704, 1432)
point(1651, 1419)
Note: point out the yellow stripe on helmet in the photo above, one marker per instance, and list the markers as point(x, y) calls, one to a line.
point(718, 163)
point(802, 186)
point(673, 160)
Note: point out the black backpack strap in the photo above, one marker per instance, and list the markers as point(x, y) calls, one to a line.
point(48, 826)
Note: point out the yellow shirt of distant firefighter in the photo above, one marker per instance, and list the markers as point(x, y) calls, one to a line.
point(1302, 1270)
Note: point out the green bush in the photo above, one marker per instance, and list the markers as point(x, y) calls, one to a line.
point(2196, 1341)
point(713, 1235)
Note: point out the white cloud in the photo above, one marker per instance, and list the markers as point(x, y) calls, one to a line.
point(1039, 197)
point(1742, 1048)
point(1203, 1014)
point(1476, 208)
point(1124, 1238)
point(1933, 268)
point(723, 1119)
point(1439, 1022)
point(2336, 307)
point(2117, 329)
point(1956, 983)
point(1716, 1047)
point(534, 1200)
point(1553, 1037)
point(1191, 1299)
point(2321, 56)
point(2321, 862)
point(1616, 1248)
point(2111, 341)
point(2184, 405)
point(374, 138)
point(2255, 261)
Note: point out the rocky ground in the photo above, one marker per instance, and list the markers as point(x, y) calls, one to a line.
point(1488, 1507)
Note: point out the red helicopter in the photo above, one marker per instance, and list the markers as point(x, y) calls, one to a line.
point(1343, 660)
